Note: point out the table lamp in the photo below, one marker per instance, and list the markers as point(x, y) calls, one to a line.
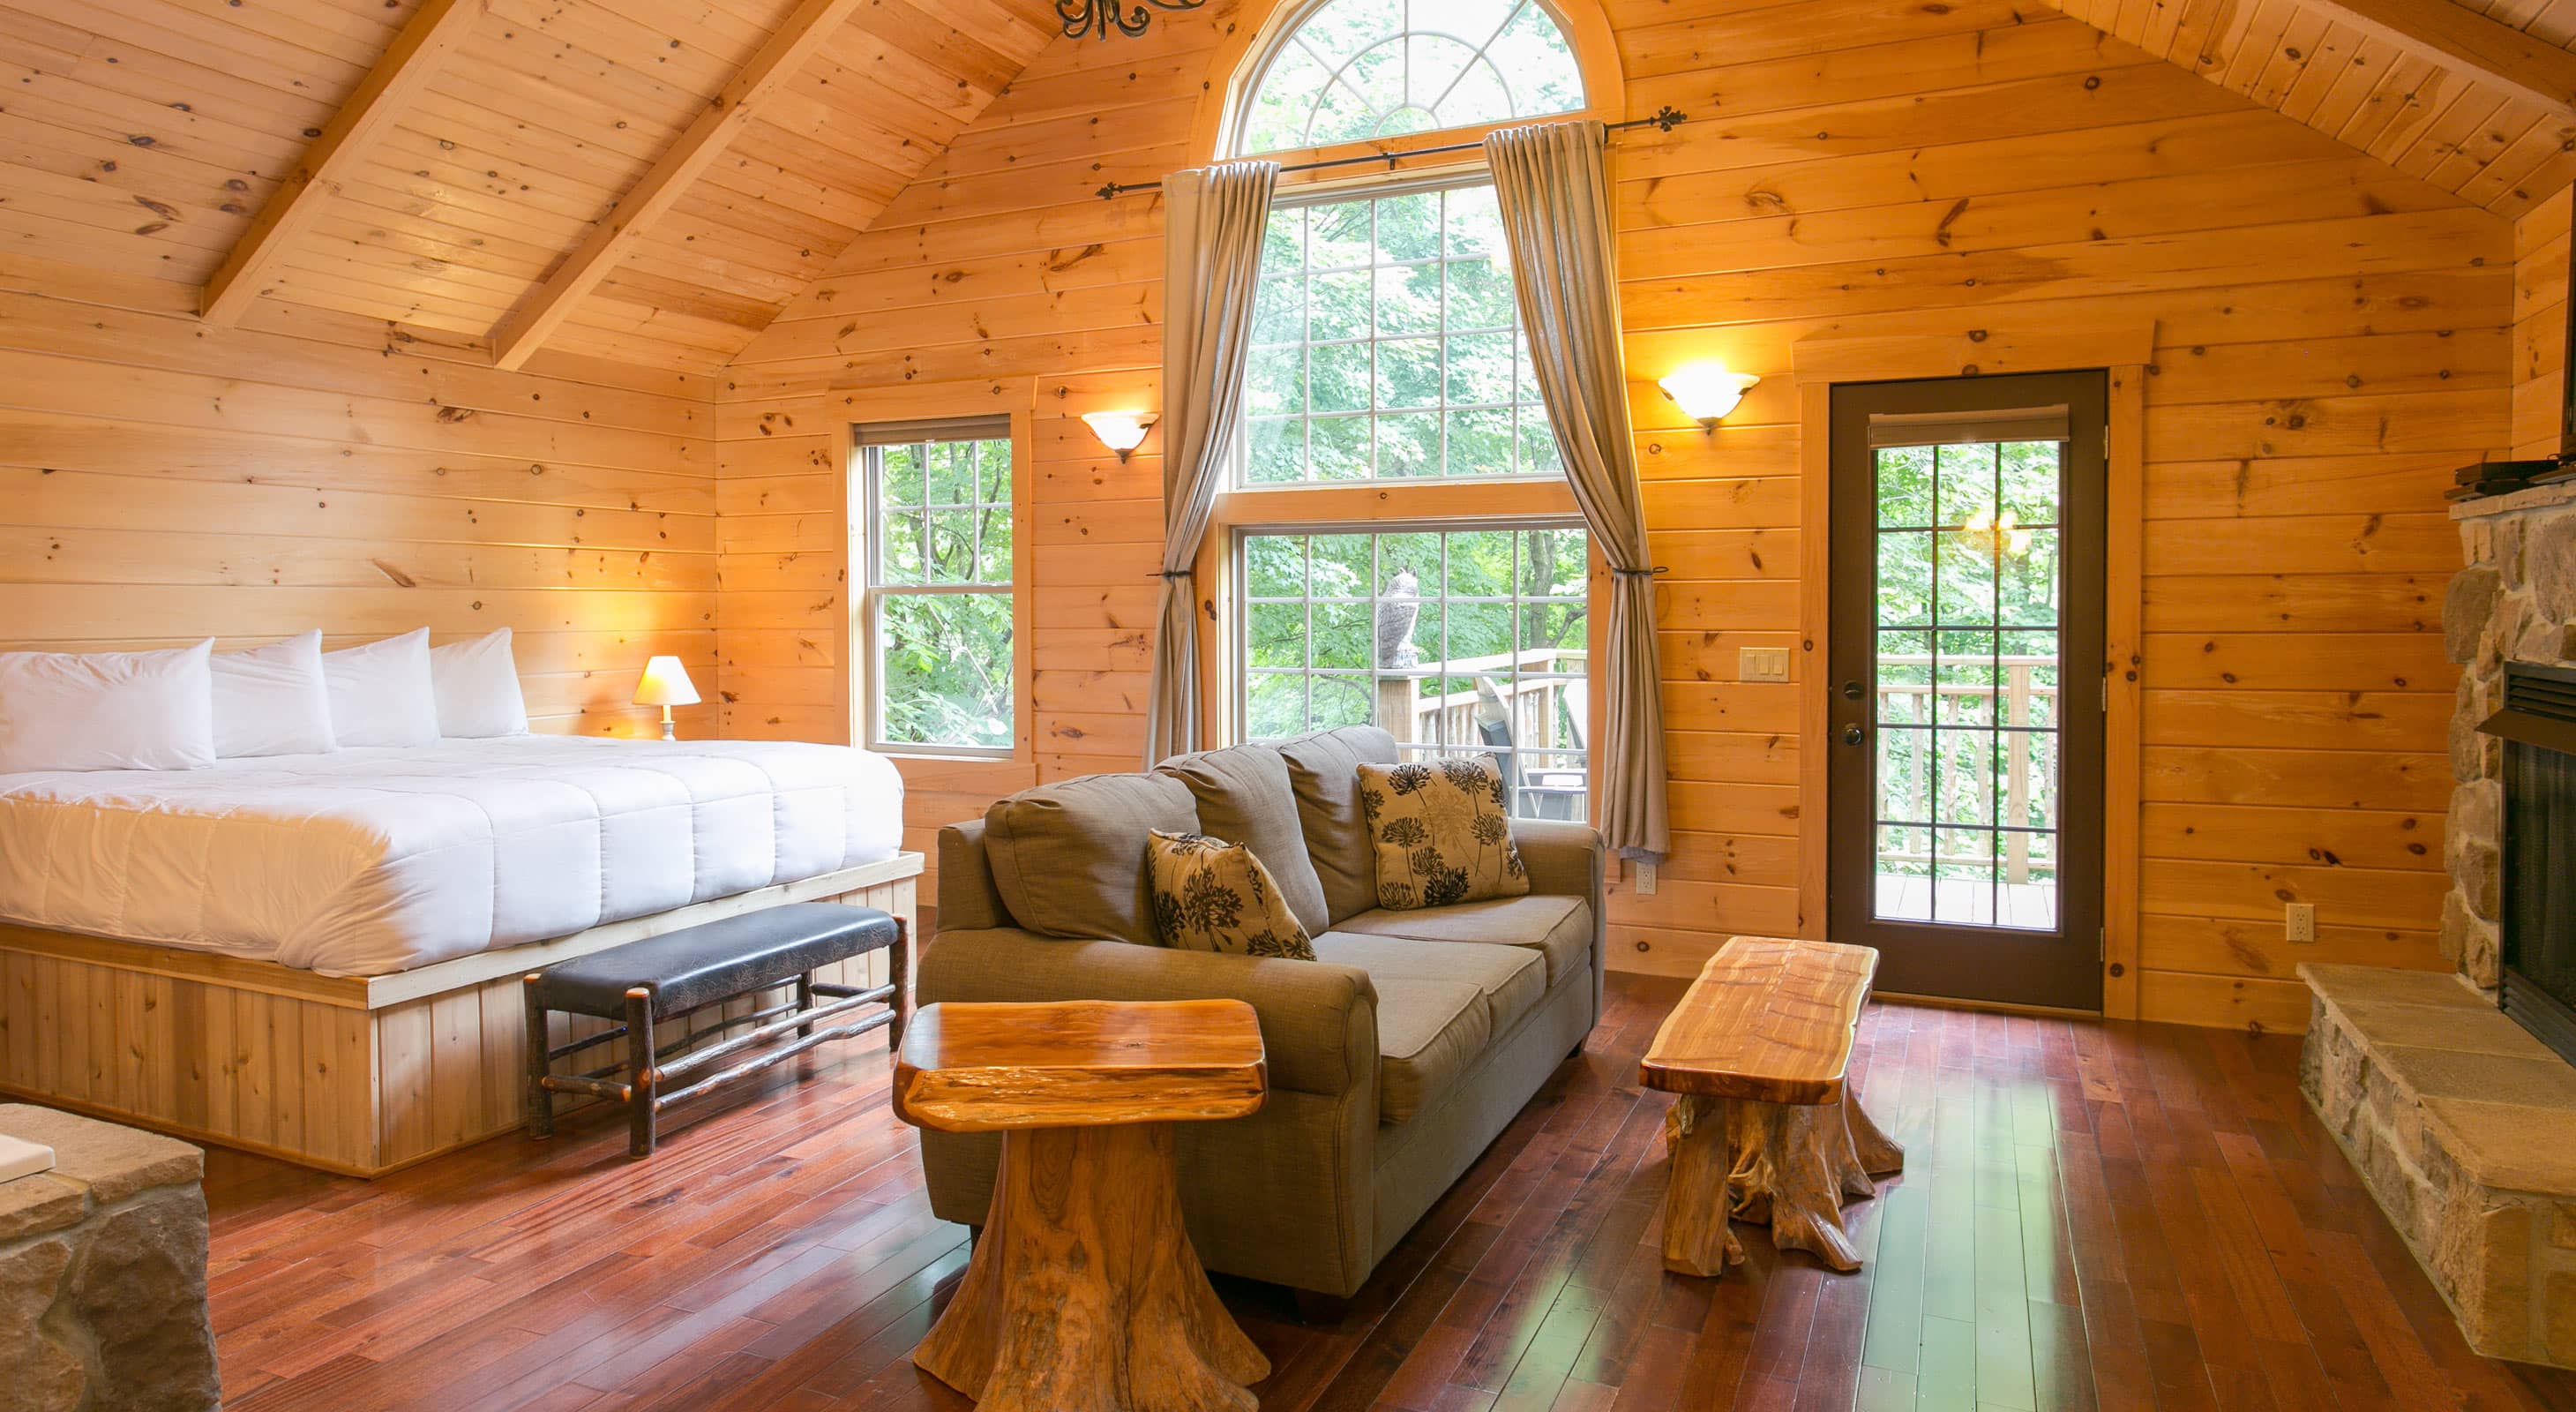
point(666, 684)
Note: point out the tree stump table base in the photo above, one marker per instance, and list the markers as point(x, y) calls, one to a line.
point(1083, 1294)
point(1767, 1128)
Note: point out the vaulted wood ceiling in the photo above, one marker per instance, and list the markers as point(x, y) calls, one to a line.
point(648, 180)
point(2477, 97)
point(653, 180)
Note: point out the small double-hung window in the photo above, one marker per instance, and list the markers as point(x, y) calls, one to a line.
point(936, 614)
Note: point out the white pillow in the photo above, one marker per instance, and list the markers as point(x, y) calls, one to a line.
point(107, 710)
point(272, 700)
point(381, 694)
point(478, 688)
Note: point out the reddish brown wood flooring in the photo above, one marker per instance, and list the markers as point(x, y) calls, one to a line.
point(2114, 1217)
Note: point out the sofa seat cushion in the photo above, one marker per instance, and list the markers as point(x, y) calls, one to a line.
point(1429, 1034)
point(1511, 978)
point(1558, 928)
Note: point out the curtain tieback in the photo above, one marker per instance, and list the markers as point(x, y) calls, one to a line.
point(1173, 574)
point(1641, 573)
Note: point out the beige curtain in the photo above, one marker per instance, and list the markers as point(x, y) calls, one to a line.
point(1212, 224)
point(1555, 194)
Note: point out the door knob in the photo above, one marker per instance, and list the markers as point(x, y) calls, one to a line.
point(1854, 735)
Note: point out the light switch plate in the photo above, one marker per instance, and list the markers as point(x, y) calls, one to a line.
point(1762, 663)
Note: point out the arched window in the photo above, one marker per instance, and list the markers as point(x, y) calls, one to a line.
point(1353, 70)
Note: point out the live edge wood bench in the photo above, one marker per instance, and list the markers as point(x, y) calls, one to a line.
point(1768, 1128)
point(669, 977)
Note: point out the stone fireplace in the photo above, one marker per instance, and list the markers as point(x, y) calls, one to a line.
point(2460, 1120)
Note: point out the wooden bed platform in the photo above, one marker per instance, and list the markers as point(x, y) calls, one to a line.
point(357, 1075)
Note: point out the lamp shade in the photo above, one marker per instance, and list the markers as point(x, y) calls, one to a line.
point(1706, 392)
point(665, 683)
point(1121, 432)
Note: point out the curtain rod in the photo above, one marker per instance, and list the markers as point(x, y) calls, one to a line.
point(1665, 119)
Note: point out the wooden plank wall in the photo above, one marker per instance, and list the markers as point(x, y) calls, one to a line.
point(2332, 338)
point(2539, 326)
point(161, 481)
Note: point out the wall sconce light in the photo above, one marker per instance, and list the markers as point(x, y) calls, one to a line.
point(1706, 392)
point(1121, 432)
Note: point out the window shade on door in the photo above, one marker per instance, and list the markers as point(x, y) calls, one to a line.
point(1968, 428)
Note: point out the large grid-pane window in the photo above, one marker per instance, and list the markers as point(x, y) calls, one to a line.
point(1387, 346)
point(937, 617)
point(1458, 640)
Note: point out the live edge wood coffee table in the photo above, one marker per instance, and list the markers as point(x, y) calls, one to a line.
point(1767, 1127)
point(1084, 1294)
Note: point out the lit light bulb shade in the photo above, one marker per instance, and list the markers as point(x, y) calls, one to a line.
point(1119, 431)
point(666, 683)
point(1706, 392)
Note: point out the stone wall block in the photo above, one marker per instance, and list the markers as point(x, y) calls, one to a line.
point(40, 1369)
point(2549, 558)
point(140, 1284)
point(2467, 607)
point(2506, 545)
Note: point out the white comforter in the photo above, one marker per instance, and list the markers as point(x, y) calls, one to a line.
point(367, 861)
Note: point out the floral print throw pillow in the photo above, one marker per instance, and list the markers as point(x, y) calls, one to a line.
point(1440, 833)
point(1211, 895)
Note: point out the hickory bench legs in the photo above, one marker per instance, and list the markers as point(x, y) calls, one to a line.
point(1792, 1165)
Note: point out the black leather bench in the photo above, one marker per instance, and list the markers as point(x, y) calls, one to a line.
point(678, 973)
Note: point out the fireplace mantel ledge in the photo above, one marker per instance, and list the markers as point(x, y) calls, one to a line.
point(2539, 497)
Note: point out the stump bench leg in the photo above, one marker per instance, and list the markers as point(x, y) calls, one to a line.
point(1785, 1165)
point(1697, 1238)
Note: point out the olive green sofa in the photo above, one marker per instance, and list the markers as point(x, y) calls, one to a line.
point(1394, 1060)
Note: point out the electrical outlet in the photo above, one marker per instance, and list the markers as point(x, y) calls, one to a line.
point(1645, 878)
point(1762, 663)
point(2299, 921)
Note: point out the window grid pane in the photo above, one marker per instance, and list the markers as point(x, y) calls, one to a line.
point(1459, 642)
point(1388, 346)
point(1359, 69)
point(1968, 683)
point(937, 622)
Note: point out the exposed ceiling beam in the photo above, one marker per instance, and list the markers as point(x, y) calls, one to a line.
point(401, 73)
point(2466, 43)
point(544, 310)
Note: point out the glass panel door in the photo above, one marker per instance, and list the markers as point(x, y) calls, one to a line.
point(1965, 652)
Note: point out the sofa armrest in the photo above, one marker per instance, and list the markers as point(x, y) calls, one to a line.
point(1318, 1020)
point(1563, 859)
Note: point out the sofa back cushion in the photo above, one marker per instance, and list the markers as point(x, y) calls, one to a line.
point(1069, 857)
point(1324, 771)
point(1244, 797)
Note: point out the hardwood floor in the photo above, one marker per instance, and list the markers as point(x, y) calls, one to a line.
point(2094, 1216)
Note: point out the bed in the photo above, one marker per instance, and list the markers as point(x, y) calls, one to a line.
point(319, 956)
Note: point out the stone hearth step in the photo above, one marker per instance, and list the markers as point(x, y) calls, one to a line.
point(2463, 1126)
